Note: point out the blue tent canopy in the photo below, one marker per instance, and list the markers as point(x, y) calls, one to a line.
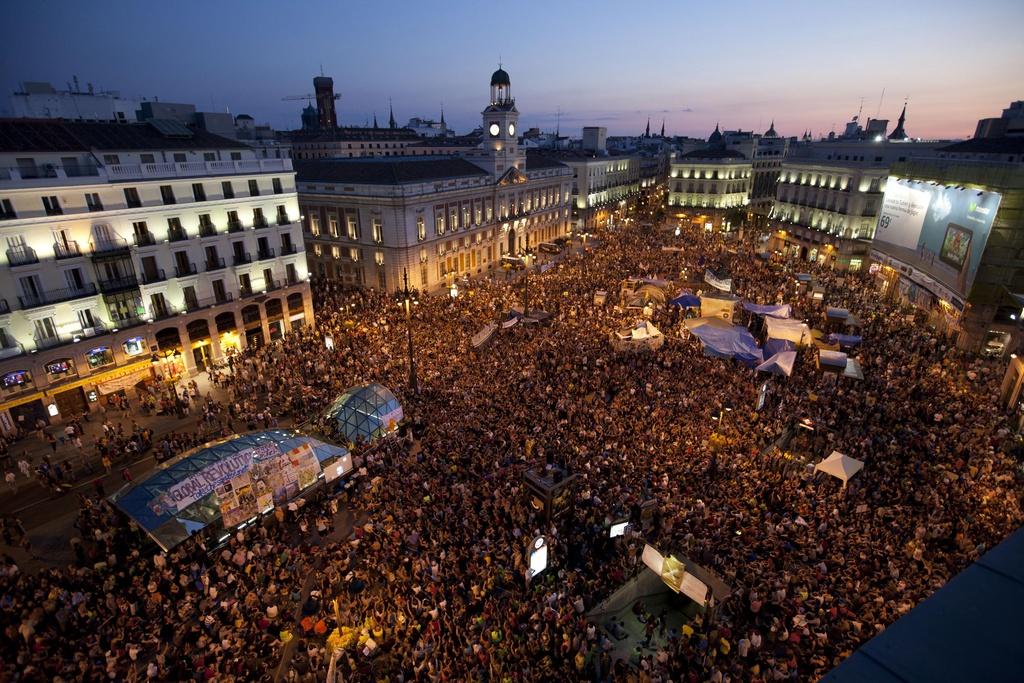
point(845, 339)
point(774, 310)
point(686, 301)
point(774, 346)
point(729, 342)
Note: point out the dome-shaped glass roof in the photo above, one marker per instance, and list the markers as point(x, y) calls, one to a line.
point(500, 77)
point(365, 413)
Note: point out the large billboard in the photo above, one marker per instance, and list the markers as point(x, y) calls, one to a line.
point(946, 226)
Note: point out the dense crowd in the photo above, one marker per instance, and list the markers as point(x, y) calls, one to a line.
point(432, 583)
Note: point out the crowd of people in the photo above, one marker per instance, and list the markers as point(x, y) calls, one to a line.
point(432, 584)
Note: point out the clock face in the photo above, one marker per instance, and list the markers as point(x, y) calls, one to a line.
point(511, 129)
point(495, 129)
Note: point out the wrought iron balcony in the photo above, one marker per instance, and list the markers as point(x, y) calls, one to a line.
point(54, 296)
point(66, 250)
point(153, 276)
point(21, 256)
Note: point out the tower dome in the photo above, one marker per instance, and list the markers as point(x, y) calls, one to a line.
point(500, 77)
point(501, 89)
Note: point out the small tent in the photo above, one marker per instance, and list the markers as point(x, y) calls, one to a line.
point(644, 335)
point(780, 364)
point(831, 361)
point(719, 306)
point(686, 301)
point(840, 466)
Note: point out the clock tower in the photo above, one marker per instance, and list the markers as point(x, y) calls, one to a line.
point(500, 149)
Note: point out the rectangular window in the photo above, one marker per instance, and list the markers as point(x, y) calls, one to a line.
point(227, 189)
point(236, 156)
point(421, 228)
point(86, 319)
point(378, 231)
point(332, 225)
point(278, 189)
point(209, 156)
point(92, 200)
point(282, 215)
point(131, 198)
point(180, 157)
point(167, 194)
point(52, 206)
point(147, 158)
point(199, 192)
point(7, 210)
point(254, 188)
point(314, 226)
point(439, 223)
point(111, 159)
point(258, 219)
point(352, 225)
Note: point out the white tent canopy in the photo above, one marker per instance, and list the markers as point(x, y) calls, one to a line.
point(790, 330)
point(840, 466)
point(779, 364)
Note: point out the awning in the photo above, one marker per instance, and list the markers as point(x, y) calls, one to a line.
point(125, 381)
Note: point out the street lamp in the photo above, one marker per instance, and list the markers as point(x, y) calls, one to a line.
point(413, 383)
point(164, 356)
point(526, 282)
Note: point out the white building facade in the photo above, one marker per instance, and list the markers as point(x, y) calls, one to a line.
point(369, 222)
point(828, 197)
point(132, 252)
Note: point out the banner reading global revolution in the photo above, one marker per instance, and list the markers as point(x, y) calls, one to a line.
point(200, 484)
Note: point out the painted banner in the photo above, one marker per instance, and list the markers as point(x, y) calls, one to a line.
point(203, 482)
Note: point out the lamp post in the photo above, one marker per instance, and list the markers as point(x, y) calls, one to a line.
point(163, 356)
point(413, 382)
point(526, 281)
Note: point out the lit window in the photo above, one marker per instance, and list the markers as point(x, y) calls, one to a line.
point(378, 231)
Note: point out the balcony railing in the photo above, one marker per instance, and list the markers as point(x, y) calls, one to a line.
point(145, 239)
point(198, 304)
point(54, 296)
point(153, 276)
point(265, 254)
point(287, 249)
point(21, 256)
point(244, 291)
point(66, 250)
point(191, 169)
point(241, 259)
point(109, 245)
point(126, 321)
point(224, 298)
point(207, 230)
point(272, 285)
point(283, 219)
point(235, 226)
point(118, 283)
point(258, 223)
point(176, 234)
point(184, 269)
point(214, 264)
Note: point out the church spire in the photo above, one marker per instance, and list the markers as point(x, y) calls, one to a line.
point(375, 120)
point(647, 131)
point(663, 128)
point(899, 133)
point(442, 117)
point(391, 119)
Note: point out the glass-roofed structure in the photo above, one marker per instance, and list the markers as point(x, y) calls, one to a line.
point(225, 483)
point(365, 413)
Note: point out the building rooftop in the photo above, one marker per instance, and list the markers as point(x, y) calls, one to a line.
point(713, 153)
point(1003, 145)
point(354, 133)
point(386, 170)
point(535, 162)
point(56, 135)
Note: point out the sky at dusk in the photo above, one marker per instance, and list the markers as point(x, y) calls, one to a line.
point(807, 65)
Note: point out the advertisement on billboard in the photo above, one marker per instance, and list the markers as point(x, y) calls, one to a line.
point(945, 226)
